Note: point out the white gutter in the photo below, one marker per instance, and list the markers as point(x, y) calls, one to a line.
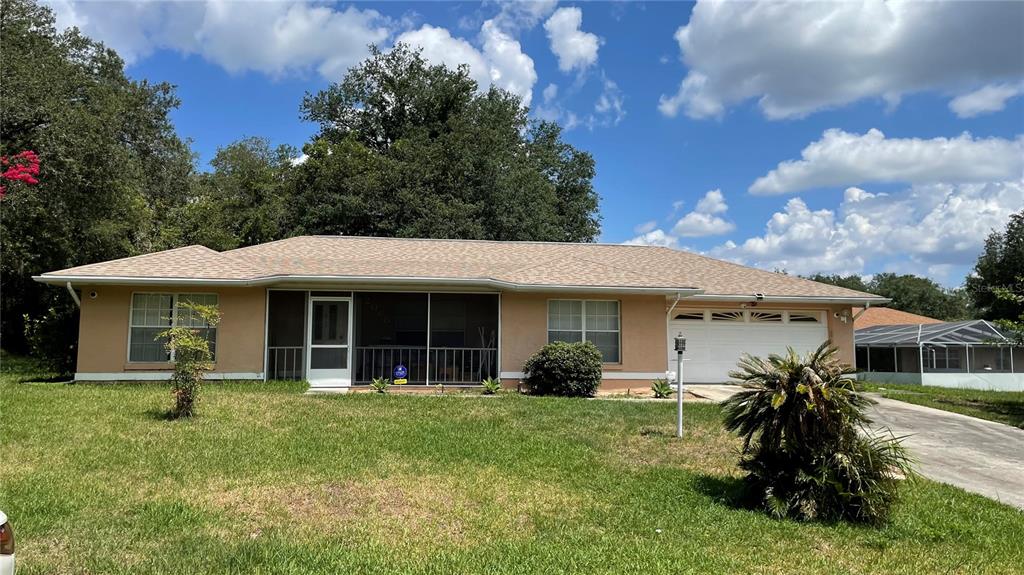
point(335, 279)
point(790, 299)
point(74, 296)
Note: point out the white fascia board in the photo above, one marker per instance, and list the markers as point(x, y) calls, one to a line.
point(390, 280)
point(791, 299)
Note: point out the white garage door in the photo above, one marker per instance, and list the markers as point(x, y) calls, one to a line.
point(715, 339)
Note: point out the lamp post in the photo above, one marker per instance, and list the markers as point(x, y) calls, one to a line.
point(680, 348)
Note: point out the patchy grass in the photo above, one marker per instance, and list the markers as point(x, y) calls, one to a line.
point(267, 480)
point(1000, 406)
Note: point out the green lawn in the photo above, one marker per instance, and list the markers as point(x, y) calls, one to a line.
point(1001, 406)
point(267, 480)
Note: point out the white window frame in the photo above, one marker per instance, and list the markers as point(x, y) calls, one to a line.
point(174, 320)
point(583, 325)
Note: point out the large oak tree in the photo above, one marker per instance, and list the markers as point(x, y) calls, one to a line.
point(410, 149)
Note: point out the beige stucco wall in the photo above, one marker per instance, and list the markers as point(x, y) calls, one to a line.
point(103, 329)
point(524, 330)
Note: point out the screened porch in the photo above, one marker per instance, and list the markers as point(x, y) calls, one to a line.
point(438, 338)
point(972, 354)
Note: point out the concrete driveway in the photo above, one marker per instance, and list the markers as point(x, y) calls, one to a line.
point(977, 455)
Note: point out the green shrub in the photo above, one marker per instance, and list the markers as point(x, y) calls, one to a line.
point(807, 449)
point(566, 369)
point(490, 385)
point(192, 359)
point(380, 384)
point(53, 338)
point(661, 388)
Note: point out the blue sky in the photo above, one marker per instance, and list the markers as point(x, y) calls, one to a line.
point(841, 138)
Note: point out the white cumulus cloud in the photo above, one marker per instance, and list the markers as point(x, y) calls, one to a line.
point(575, 49)
point(985, 100)
point(274, 38)
point(795, 58)
point(928, 228)
point(705, 220)
point(841, 159)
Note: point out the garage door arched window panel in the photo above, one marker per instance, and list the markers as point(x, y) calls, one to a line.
point(727, 316)
point(596, 321)
point(690, 316)
point(766, 316)
point(804, 317)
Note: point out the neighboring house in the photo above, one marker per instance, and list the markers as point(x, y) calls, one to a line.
point(967, 354)
point(873, 316)
point(339, 311)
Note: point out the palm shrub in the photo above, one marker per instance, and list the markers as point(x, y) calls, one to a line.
point(380, 384)
point(661, 388)
point(807, 449)
point(490, 385)
point(192, 358)
point(566, 369)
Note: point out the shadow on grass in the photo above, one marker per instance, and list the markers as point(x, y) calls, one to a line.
point(162, 414)
point(723, 490)
point(64, 379)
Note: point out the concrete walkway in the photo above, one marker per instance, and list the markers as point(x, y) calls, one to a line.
point(977, 455)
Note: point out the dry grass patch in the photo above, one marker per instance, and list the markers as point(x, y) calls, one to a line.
point(403, 509)
point(705, 450)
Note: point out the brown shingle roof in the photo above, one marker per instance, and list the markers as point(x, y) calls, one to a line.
point(887, 316)
point(526, 264)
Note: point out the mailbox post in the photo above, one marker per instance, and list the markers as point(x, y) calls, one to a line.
point(680, 348)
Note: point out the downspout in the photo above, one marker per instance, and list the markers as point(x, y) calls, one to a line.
point(867, 304)
point(671, 309)
point(74, 295)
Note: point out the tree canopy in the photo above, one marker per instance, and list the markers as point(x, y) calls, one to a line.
point(409, 149)
point(909, 293)
point(998, 272)
point(111, 166)
point(405, 148)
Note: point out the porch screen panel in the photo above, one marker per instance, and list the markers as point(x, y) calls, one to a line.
point(286, 335)
point(463, 337)
point(390, 329)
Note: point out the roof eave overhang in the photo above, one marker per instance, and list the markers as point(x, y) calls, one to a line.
point(854, 300)
point(268, 281)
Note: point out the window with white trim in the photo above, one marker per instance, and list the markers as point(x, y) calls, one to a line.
point(153, 313)
point(596, 321)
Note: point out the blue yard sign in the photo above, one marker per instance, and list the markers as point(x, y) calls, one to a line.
point(400, 373)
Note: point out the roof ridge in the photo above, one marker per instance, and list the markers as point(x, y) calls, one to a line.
point(734, 264)
point(469, 240)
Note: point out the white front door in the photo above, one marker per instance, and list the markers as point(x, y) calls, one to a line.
point(330, 330)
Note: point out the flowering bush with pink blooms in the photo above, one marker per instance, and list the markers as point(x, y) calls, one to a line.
point(21, 167)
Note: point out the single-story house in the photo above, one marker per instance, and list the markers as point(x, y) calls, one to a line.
point(971, 354)
point(872, 316)
point(340, 311)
